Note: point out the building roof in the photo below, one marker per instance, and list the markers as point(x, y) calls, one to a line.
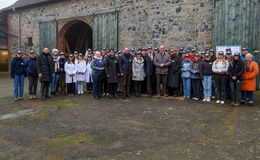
point(27, 3)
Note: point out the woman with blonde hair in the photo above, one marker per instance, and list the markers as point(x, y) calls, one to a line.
point(220, 68)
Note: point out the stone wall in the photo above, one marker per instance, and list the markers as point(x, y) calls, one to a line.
point(174, 23)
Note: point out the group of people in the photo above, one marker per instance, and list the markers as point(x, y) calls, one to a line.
point(202, 75)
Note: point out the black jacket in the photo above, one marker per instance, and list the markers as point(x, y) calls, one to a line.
point(17, 67)
point(174, 72)
point(31, 67)
point(126, 61)
point(45, 66)
point(206, 68)
point(236, 68)
point(148, 65)
point(112, 69)
point(62, 64)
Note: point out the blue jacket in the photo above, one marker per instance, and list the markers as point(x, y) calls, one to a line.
point(31, 67)
point(186, 69)
point(17, 67)
point(96, 65)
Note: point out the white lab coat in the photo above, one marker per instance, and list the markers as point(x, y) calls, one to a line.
point(89, 73)
point(70, 69)
point(81, 66)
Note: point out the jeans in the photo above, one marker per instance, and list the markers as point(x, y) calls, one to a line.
point(196, 88)
point(33, 81)
point(97, 85)
point(80, 85)
point(250, 95)
point(207, 86)
point(235, 88)
point(18, 85)
point(54, 82)
point(161, 79)
point(186, 86)
point(220, 80)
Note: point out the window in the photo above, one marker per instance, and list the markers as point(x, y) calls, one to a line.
point(29, 41)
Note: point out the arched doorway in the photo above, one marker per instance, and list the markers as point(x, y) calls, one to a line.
point(75, 36)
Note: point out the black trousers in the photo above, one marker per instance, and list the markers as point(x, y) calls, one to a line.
point(150, 84)
point(220, 80)
point(138, 87)
point(104, 85)
point(112, 88)
point(71, 88)
point(45, 89)
point(196, 88)
point(33, 81)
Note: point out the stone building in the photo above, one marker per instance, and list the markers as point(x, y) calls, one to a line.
point(80, 24)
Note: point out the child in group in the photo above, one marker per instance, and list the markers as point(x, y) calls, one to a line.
point(206, 76)
point(186, 76)
point(81, 68)
point(70, 70)
point(31, 69)
point(89, 79)
point(17, 72)
point(195, 77)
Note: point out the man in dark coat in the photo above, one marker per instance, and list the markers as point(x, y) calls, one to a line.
point(126, 61)
point(173, 74)
point(149, 70)
point(45, 68)
point(112, 71)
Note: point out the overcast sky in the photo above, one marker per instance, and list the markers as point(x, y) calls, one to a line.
point(6, 3)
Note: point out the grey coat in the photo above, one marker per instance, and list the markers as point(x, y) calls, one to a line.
point(138, 70)
point(162, 58)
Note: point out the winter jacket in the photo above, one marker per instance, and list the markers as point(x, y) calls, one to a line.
point(31, 67)
point(195, 69)
point(148, 65)
point(112, 69)
point(126, 61)
point(249, 77)
point(206, 68)
point(17, 67)
point(96, 66)
point(174, 72)
point(162, 58)
point(236, 69)
point(186, 69)
point(62, 64)
point(220, 66)
point(138, 70)
point(45, 66)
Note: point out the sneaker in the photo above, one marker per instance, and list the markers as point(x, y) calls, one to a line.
point(232, 104)
point(20, 98)
point(165, 95)
point(218, 101)
point(208, 100)
point(236, 104)
point(213, 97)
point(184, 97)
point(204, 100)
point(15, 99)
point(250, 104)
point(188, 97)
point(196, 99)
point(222, 102)
point(31, 97)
